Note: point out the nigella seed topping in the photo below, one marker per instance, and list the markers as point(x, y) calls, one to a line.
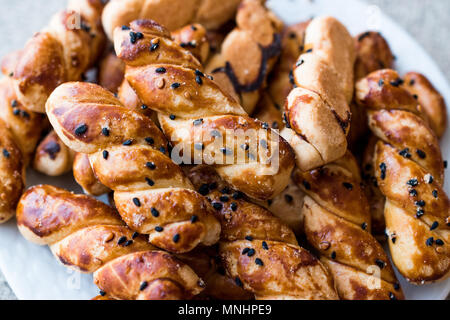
point(161, 70)
point(135, 36)
point(14, 103)
point(176, 238)
point(434, 193)
point(383, 171)
point(364, 225)
point(265, 246)
point(237, 195)
point(429, 241)
point(105, 132)
point(392, 296)
point(233, 206)
point(6, 153)
point(225, 190)
point(415, 96)
point(299, 63)
point(224, 198)
point(428, 178)
point(150, 165)
point(198, 122)
point(144, 107)
point(81, 129)
point(105, 154)
point(275, 125)
point(217, 205)
point(420, 203)
point(121, 240)
point(128, 243)
point(134, 235)
point(102, 293)
point(309, 50)
point(265, 126)
point(136, 202)
point(16, 112)
point(150, 141)
point(286, 120)
point(333, 255)
point(199, 73)
point(125, 27)
point(419, 213)
point(238, 282)
point(306, 184)
point(159, 229)
point(172, 117)
point(412, 182)
point(251, 252)
point(393, 238)
point(291, 77)
point(193, 27)
point(405, 153)
point(245, 251)
point(204, 189)
point(439, 242)
point(128, 142)
point(421, 154)
point(348, 185)
point(380, 263)
point(434, 225)
point(143, 285)
point(194, 219)
point(397, 286)
point(288, 198)
point(175, 85)
point(150, 182)
point(154, 46)
point(162, 149)
point(259, 262)
point(396, 82)
point(249, 238)
point(445, 164)
point(413, 192)
point(199, 80)
point(154, 212)
point(381, 82)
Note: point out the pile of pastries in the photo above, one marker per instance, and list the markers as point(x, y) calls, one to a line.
point(108, 90)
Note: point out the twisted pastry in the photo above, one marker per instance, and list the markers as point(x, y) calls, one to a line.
point(337, 225)
point(168, 79)
point(61, 52)
point(248, 53)
point(317, 110)
point(89, 236)
point(259, 252)
point(409, 170)
point(173, 14)
point(129, 155)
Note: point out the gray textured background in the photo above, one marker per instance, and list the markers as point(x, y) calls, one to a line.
point(426, 20)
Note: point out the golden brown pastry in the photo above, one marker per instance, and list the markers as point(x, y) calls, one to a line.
point(410, 171)
point(173, 14)
point(89, 236)
point(111, 71)
point(337, 225)
point(248, 53)
point(52, 156)
point(12, 173)
point(194, 38)
point(129, 155)
point(259, 252)
point(61, 52)
point(317, 111)
point(169, 79)
point(85, 177)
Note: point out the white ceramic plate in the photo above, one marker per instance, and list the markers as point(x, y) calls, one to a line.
point(32, 271)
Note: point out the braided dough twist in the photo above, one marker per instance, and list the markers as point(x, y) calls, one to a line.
point(89, 236)
point(129, 155)
point(168, 79)
point(337, 225)
point(258, 251)
point(409, 170)
point(317, 110)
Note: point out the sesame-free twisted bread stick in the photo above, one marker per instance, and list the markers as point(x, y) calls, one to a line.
point(317, 110)
point(195, 113)
point(410, 171)
point(129, 155)
point(337, 225)
point(89, 236)
point(259, 252)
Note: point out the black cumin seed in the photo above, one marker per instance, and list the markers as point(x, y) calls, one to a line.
point(159, 229)
point(237, 195)
point(225, 190)
point(299, 63)
point(175, 85)
point(162, 149)
point(420, 203)
point(381, 82)
point(199, 73)
point(251, 252)
point(204, 189)
point(275, 125)
point(224, 198)
point(16, 112)
point(309, 50)
point(259, 262)
point(249, 238)
point(193, 27)
point(307, 185)
point(380, 263)
point(421, 154)
point(383, 171)
point(392, 296)
point(333, 255)
point(439, 242)
point(128, 243)
point(154, 46)
point(413, 192)
point(445, 164)
point(434, 225)
point(265, 246)
point(396, 286)
point(122, 240)
point(412, 182)
point(102, 293)
point(288, 198)
point(217, 205)
point(238, 282)
point(125, 28)
point(105, 132)
point(128, 142)
point(199, 80)
point(364, 226)
point(291, 77)
point(419, 213)
point(150, 182)
point(415, 96)
point(154, 212)
point(160, 70)
point(14, 103)
point(198, 122)
point(144, 284)
point(347, 185)
point(149, 140)
point(233, 206)
point(176, 238)
point(172, 117)
point(150, 165)
point(245, 251)
point(434, 193)
point(136, 202)
point(81, 129)
point(396, 82)
point(265, 126)
point(144, 107)
point(412, 82)
point(429, 241)
point(6, 153)
point(134, 235)
point(194, 219)
point(405, 153)
point(105, 154)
